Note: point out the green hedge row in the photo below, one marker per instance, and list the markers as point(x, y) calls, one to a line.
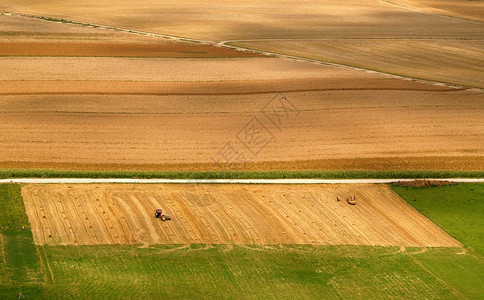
point(41, 173)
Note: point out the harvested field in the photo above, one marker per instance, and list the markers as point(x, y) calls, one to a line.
point(228, 87)
point(470, 10)
point(167, 70)
point(15, 29)
point(218, 20)
point(96, 49)
point(354, 129)
point(457, 61)
point(227, 214)
point(326, 32)
point(96, 113)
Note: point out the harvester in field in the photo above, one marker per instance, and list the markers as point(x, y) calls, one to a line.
point(351, 200)
point(160, 215)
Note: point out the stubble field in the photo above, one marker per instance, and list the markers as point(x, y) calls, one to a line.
point(227, 214)
point(335, 32)
point(62, 108)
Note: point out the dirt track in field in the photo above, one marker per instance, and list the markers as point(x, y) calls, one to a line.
point(227, 214)
point(98, 49)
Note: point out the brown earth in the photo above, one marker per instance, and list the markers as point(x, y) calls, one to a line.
point(227, 214)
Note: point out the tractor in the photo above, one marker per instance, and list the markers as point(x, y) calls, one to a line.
point(160, 215)
point(351, 200)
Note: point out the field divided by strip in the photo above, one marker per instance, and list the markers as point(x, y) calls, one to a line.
point(227, 214)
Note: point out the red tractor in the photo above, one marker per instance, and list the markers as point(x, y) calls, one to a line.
point(160, 215)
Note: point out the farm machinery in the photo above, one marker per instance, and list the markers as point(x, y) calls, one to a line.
point(160, 215)
point(351, 200)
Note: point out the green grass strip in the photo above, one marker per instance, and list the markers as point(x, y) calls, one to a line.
point(20, 267)
point(279, 174)
point(458, 209)
point(12, 214)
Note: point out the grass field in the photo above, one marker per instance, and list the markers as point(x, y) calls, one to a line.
point(296, 272)
point(20, 266)
point(459, 209)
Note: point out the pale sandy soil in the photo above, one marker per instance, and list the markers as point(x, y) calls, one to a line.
point(227, 214)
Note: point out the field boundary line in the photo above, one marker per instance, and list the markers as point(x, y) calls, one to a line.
point(232, 181)
point(237, 48)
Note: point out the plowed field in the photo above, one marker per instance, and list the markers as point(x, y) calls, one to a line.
point(227, 214)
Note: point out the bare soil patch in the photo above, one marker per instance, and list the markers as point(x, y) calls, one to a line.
point(238, 214)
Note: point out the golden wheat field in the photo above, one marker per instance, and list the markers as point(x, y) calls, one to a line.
point(227, 214)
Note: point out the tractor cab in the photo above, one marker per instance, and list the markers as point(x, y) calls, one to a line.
point(160, 215)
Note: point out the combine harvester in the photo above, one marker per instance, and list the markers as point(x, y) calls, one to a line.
point(160, 215)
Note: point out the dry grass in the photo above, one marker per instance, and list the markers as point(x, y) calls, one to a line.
point(227, 214)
